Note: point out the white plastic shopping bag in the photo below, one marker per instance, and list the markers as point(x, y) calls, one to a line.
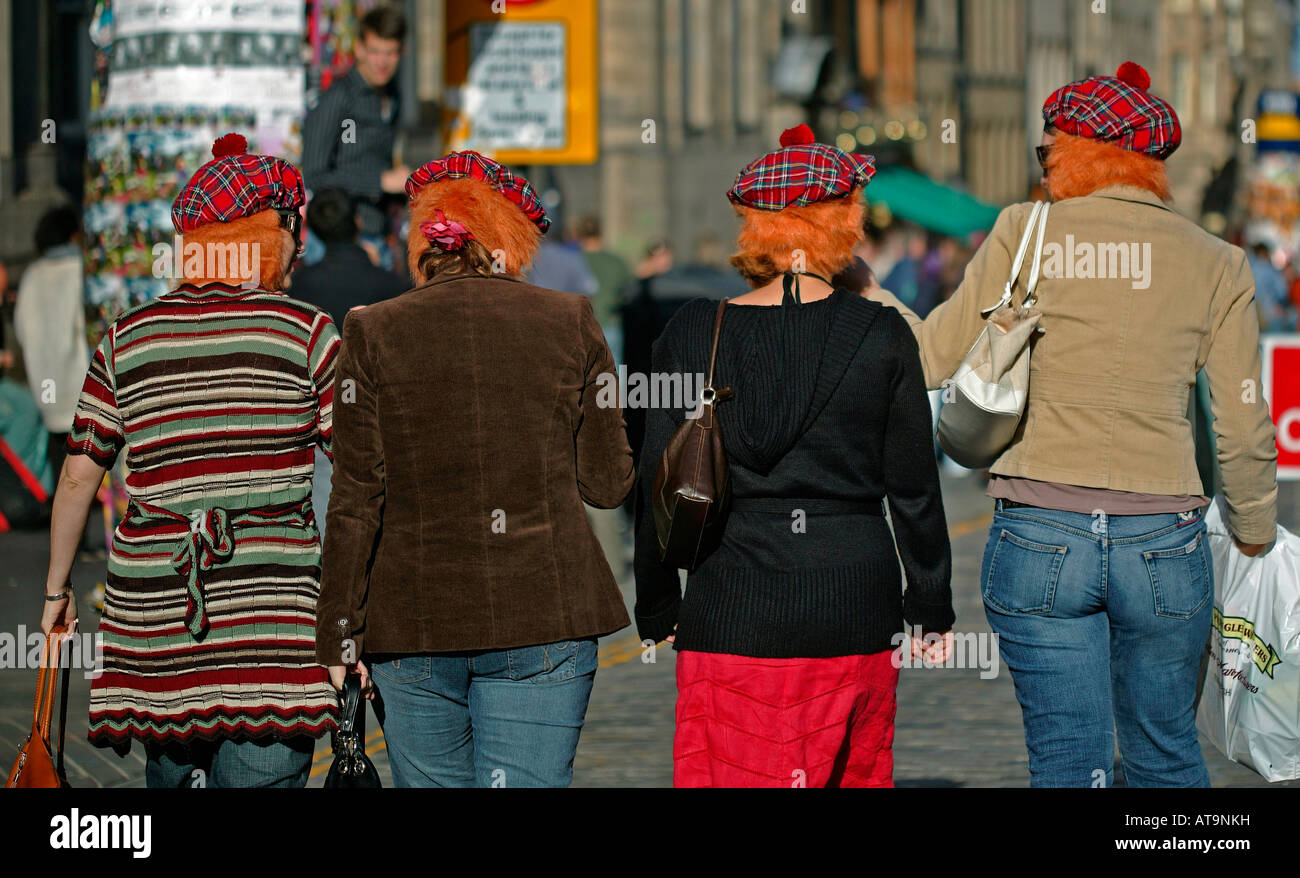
point(1250, 702)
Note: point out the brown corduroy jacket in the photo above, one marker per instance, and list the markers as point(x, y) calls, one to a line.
point(467, 434)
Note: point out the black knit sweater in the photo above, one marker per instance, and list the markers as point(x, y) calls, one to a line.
point(829, 418)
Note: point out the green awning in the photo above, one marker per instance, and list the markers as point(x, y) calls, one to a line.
point(933, 206)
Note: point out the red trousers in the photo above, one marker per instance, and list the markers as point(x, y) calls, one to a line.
point(807, 722)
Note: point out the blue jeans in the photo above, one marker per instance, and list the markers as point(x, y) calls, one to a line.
point(230, 764)
point(1102, 622)
point(497, 718)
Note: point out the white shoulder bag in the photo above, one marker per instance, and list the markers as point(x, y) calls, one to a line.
point(984, 400)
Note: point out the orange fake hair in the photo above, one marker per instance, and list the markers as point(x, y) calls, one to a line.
point(1080, 166)
point(261, 228)
point(825, 232)
point(499, 228)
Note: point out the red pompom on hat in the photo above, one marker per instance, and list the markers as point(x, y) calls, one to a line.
point(797, 135)
point(1134, 74)
point(229, 144)
point(1116, 109)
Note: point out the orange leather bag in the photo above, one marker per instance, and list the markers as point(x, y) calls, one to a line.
point(37, 765)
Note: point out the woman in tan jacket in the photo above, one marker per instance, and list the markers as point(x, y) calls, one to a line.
point(1097, 576)
point(468, 434)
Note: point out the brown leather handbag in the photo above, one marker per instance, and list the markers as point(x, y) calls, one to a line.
point(692, 487)
point(37, 765)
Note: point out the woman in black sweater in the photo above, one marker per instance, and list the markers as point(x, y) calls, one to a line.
point(786, 666)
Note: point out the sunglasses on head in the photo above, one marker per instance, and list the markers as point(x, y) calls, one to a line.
point(291, 220)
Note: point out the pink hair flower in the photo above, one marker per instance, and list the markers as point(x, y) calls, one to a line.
point(447, 234)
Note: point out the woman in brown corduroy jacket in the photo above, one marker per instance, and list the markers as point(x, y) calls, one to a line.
point(458, 557)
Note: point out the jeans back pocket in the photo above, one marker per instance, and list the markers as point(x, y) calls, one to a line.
point(1022, 575)
point(553, 662)
point(1181, 582)
point(404, 669)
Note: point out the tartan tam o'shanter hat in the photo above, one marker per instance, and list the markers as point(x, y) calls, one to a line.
point(235, 184)
point(801, 173)
point(456, 165)
point(1116, 109)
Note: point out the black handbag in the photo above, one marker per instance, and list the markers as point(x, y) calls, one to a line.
point(352, 768)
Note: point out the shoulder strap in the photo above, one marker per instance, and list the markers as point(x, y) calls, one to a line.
point(713, 351)
point(1019, 259)
point(1030, 298)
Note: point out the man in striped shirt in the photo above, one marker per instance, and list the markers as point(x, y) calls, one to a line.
point(348, 138)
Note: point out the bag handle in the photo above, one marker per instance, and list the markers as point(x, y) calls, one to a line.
point(1030, 298)
point(708, 394)
point(351, 703)
point(1039, 208)
point(47, 686)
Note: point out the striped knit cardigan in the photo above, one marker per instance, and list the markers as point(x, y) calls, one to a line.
point(218, 394)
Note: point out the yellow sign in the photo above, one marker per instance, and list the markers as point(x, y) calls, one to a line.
point(521, 80)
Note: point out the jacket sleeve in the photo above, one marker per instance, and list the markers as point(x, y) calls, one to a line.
point(912, 488)
point(658, 585)
point(605, 473)
point(356, 500)
point(1247, 447)
point(947, 333)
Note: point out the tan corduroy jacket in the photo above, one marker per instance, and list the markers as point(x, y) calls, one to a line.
point(1135, 301)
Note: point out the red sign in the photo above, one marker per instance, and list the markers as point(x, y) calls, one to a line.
point(1282, 392)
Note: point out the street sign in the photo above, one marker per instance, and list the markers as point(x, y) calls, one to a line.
point(1282, 392)
point(521, 80)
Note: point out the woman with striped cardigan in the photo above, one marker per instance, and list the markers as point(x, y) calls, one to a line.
point(218, 392)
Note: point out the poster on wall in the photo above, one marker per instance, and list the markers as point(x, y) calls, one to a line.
point(176, 76)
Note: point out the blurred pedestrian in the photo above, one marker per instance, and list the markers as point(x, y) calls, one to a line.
point(348, 140)
point(786, 667)
point(459, 566)
point(1276, 313)
point(50, 323)
point(1097, 575)
point(558, 266)
point(612, 277)
point(346, 278)
point(218, 392)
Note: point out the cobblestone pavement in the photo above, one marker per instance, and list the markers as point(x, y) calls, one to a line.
point(953, 728)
